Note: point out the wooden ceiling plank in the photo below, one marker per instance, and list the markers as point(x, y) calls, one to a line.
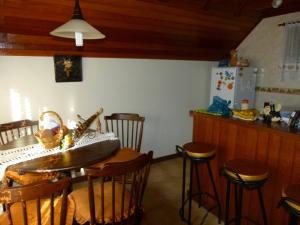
point(88, 48)
point(150, 37)
point(44, 12)
point(38, 40)
point(206, 56)
point(47, 26)
point(29, 26)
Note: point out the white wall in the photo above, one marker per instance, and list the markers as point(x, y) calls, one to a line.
point(263, 47)
point(163, 91)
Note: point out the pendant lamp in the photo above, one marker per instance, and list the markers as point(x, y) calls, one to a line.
point(77, 28)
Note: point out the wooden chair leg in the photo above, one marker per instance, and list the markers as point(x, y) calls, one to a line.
point(293, 220)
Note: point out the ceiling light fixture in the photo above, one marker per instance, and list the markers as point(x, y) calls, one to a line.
point(77, 28)
point(276, 3)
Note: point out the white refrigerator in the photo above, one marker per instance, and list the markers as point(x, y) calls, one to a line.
point(234, 84)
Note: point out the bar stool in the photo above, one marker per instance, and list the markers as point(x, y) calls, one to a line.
point(248, 174)
point(197, 153)
point(290, 200)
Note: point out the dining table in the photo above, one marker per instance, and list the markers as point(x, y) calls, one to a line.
point(62, 160)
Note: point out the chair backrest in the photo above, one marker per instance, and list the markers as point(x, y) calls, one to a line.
point(14, 130)
point(21, 200)
point(128, 127)
point(124, 188)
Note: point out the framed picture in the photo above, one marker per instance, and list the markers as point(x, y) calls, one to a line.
point(67, 68)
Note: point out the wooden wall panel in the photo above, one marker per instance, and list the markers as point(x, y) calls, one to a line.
point(278, 148)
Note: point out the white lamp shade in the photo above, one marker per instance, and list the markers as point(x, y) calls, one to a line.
point(68, 29)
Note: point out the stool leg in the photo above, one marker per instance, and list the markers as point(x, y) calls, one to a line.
point(293, 220)
point(181, 211)
point(238, 196)
point(190, 194)
point(262, 206)
point(239, 203)
point(198, 186)
point(215, 191)
point(227, 203)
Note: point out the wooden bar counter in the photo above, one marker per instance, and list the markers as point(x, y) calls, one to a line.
point(276, 145)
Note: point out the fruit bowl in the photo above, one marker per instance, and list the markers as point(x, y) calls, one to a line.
point(248, 115)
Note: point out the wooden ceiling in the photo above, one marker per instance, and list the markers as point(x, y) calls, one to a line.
point(162, 29)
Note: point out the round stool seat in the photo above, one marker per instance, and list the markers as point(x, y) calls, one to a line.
point(247, 170)
point(199, 150)
point(292, 192)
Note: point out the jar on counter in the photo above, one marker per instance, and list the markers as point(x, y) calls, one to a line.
point(244, 104)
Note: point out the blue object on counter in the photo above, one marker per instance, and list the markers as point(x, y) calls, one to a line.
point(224, 63)
point(220, 106)
point(285, 116)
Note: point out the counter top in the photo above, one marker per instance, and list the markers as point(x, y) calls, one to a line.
point(278, 127)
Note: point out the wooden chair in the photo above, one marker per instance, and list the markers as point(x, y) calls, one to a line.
point(113, 201)
point(14, 130)
point(39, 203)
point(128, 127)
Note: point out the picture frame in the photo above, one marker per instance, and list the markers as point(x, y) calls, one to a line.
point(68, 68)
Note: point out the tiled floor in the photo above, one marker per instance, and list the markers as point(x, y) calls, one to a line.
point(162, 196)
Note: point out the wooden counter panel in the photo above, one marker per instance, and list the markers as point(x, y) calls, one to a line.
point(278, 148)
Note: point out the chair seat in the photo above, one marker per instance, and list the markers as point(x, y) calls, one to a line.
point(247, 170)
point(17, 218)
point(81, 199)
point(199, 149)
point(123, 155)
point(29, 178)
point(292, 192)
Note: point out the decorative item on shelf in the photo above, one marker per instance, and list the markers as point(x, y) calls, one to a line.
point(82, 127)
point(219, 106)
point(275, 112)
point(266, 112)
point(242, 62)
point(50, 130)
point(233, 57)
point(271, 112)
point(236, 61)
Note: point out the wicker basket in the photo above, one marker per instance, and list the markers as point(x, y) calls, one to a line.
point(49, 141)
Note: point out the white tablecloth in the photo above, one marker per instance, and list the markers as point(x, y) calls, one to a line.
point(16, 155)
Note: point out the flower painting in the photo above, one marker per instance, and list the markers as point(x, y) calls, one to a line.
point(67, 68)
